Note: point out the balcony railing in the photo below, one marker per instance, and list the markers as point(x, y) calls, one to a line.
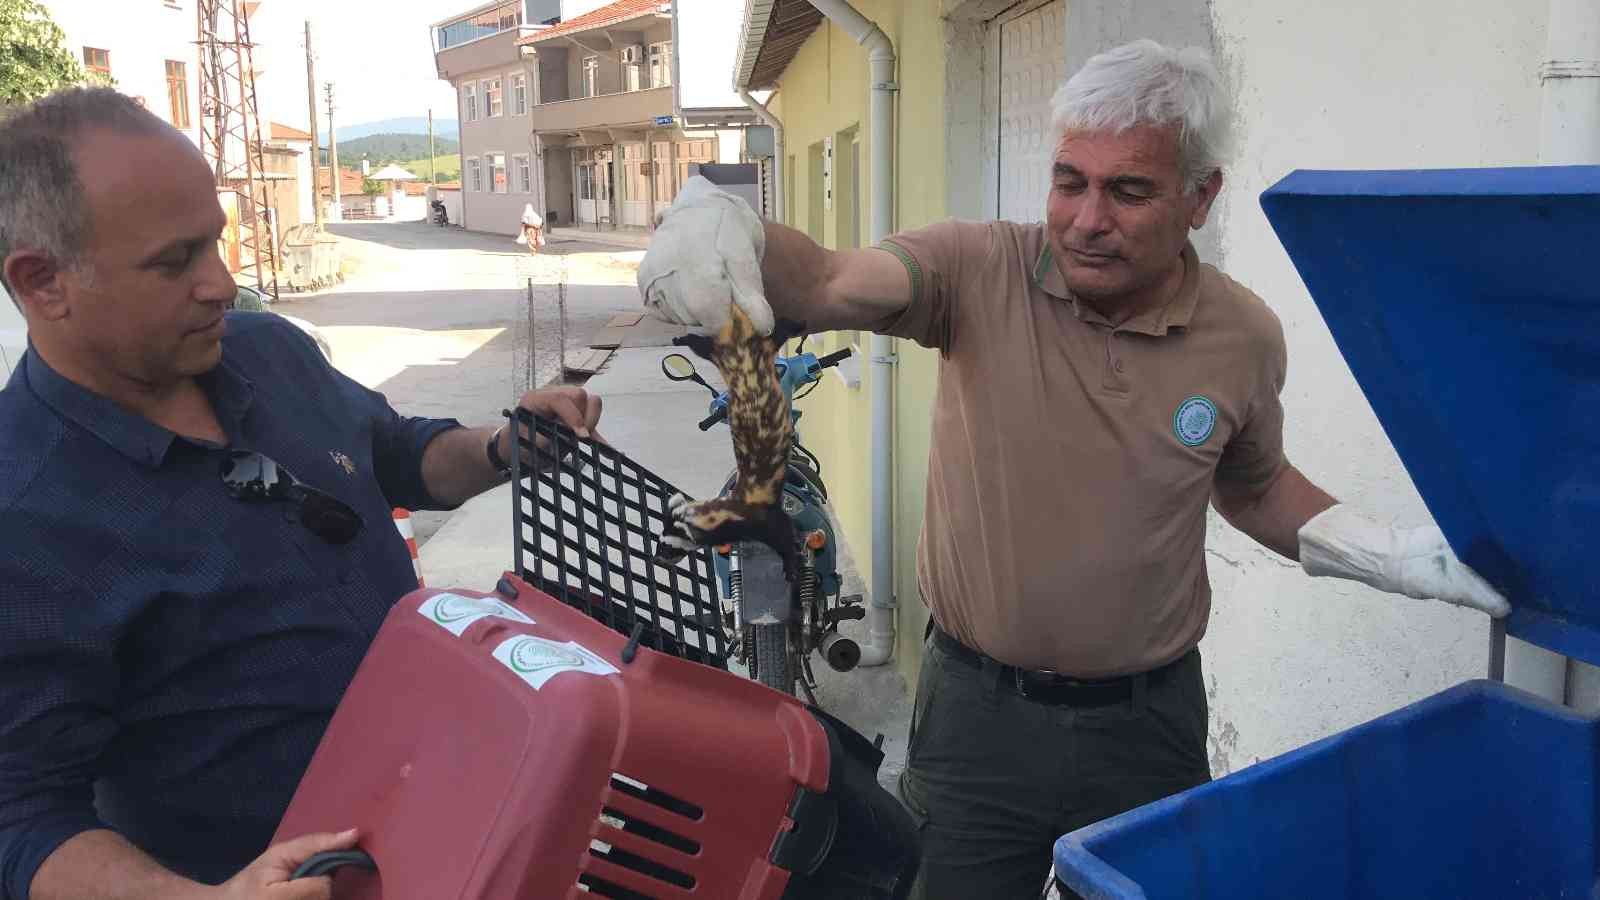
point(621, 108)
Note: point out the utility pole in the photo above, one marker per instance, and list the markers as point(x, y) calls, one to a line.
point(230, 135)
point(333, 154)
point(316, 148)
point(433, 176)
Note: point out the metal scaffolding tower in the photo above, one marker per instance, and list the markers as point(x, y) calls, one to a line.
point(230, 132)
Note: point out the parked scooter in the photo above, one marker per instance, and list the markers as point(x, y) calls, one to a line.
point(440, 216)
point(777, 624)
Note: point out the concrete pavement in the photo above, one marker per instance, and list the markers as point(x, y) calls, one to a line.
point(443, 321)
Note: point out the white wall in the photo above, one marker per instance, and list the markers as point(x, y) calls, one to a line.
point(1352, 85)
point(140, 44)
point(303, 173)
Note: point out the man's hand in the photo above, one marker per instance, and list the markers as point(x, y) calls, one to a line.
point(1416, 562)
point(704, 256)
point(574, 407)
point(268, 877)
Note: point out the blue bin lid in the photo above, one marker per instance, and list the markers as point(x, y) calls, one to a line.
point(1467, 304)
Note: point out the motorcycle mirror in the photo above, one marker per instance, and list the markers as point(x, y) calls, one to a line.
point(678, 367)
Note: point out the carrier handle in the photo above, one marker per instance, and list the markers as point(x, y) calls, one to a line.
point(326, 863)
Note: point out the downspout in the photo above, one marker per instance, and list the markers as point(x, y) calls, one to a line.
point(771, 121)
point(880, 111)
point(1569, 134)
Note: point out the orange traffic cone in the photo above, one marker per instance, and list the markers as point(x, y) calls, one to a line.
point(402, 521)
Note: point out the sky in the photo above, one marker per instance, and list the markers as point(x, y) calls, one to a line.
point(377, 55)
point(380, 58)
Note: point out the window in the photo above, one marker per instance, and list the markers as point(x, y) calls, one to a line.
point(491, 98)
point(482, 24)
point(519, 94)
point(633, 68)
point(469, 102)
point(591, 76)
point(97, 61)
point(586, 181)
point(496, 164)
point(661, 64)
point(178, 94)
point(474, 176)
point(524, 173)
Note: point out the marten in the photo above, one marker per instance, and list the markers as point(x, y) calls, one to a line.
point(758, 416)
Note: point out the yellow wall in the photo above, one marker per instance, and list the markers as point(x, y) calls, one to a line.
point(824, 93)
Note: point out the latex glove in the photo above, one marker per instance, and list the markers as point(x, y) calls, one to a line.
point(704, 256)
point(1416, 562)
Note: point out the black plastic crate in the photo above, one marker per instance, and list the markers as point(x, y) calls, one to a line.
point(586, 533)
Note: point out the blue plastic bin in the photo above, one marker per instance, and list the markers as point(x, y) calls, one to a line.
point(1467, 304)
point(1479, 792)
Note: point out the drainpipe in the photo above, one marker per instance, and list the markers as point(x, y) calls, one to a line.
point(771, 121)
point(1569, 134)
point(880, 63)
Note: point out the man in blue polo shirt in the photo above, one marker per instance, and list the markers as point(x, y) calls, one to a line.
point(195, 537)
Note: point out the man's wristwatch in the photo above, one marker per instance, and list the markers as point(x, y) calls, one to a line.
point(492, 450)
point(543, 460)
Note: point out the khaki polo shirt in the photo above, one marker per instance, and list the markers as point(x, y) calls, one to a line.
point(1071, 462)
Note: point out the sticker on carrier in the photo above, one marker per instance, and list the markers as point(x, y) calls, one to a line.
point(455, 613)
point(537, 660)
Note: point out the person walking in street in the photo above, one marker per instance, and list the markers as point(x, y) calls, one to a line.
point(531, 231)
point(1099, 386)
point(196, 543)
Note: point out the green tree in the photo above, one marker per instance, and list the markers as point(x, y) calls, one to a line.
point(34, 59)
point(372, 188)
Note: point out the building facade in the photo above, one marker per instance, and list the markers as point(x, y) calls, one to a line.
point(150, 56)
point(574, 115)
point(1289, 659)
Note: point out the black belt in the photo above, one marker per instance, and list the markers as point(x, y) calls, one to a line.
point(1051, 688)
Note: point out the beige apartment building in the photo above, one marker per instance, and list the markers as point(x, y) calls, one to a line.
point(572, 113)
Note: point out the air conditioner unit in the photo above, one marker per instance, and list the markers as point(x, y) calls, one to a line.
point(633, 54)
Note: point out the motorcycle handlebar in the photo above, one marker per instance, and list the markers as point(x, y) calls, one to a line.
point(714, 418)
point(834, 358)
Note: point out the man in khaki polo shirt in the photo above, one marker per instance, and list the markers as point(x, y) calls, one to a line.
point(1099, 386)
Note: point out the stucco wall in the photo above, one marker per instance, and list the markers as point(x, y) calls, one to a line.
point(824, 94)
point(506, 133)
point(1291, 659)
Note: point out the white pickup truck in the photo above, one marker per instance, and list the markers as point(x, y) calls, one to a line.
point(13, 333)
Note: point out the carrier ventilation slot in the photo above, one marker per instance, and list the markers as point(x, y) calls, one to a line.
point(642, 864)
point(623, 822)
point(641, 791)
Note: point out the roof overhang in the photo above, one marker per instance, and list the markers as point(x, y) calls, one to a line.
point(602, 27)
point(771, 34)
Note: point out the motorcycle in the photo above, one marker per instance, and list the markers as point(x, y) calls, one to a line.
point(776, 625)
point(440, 216)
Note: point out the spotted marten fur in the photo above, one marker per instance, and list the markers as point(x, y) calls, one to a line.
point(758, 416)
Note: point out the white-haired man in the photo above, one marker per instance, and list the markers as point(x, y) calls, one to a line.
point(1099, 386)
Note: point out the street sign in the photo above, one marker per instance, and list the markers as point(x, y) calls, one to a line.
point(664, 120)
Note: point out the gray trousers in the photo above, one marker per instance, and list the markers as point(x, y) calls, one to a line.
point(994, 778)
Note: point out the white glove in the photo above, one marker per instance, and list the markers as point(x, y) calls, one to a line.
point(1416, 562)
point(704, 256)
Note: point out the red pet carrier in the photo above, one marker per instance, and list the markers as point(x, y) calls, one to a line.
point(579, 739)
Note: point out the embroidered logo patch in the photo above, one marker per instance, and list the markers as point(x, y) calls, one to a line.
point(1194, 421)
point(343, 461)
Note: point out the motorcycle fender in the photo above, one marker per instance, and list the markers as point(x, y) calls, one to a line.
point(764, 597)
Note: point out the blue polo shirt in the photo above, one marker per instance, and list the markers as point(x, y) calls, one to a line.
point(169, 655)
